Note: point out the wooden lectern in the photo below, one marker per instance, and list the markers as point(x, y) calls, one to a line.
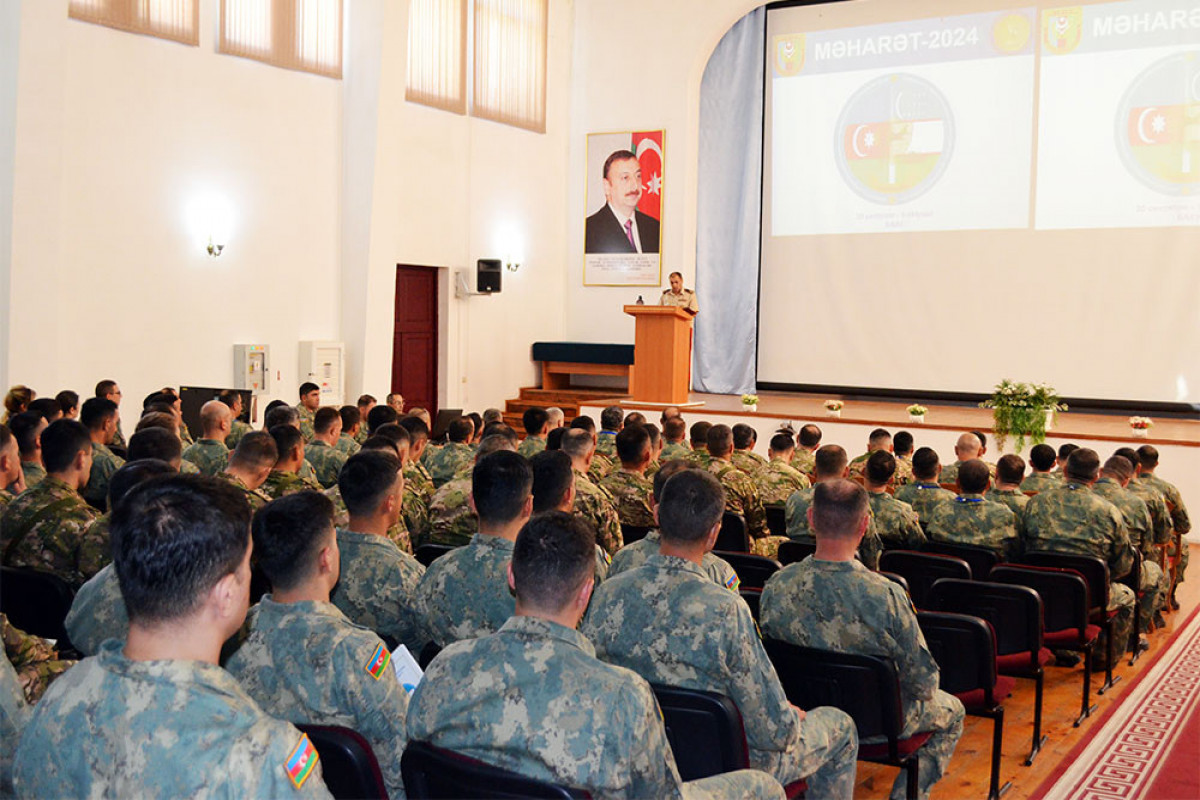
point(662, 354)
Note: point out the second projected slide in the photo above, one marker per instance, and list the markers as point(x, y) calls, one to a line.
point(913, 126)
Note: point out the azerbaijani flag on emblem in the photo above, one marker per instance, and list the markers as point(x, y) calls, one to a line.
point(648, 147)
point(378, 662)
point(893, 156)
point(1165, 140)
point(733, 583)
point(302, 761)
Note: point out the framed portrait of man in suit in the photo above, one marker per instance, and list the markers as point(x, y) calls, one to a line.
point(623, 230)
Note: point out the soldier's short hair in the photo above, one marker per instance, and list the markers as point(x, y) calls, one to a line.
point(157, 397)
point(24, 427)
point(501, 429)
point(133, 473)
point(633, 443)
point(665, 473)
point(830, 461)
point(1065, 450)
point(781, 443)
point(691, 505)
point(670, 412)
point(552, 477)
point(577, 443)
point(982, 437)
point(879, 437)
point(880, 467)
point(744, 436)
point(838, 507)
point(1082, 465)
point(281, 415)
point(155, 443)
point(287, 439)
point(96, 412)
point(584, 423)
point(674, 429)
point(652, 429)
point(476, 420)
point(173, 539)
point(159, 419)
point(925, 463)
point(366, 479)
point(494, 443)
point(698, 434)
point(308, 387)
point(554, 438)
point(501, 482)
point(553, 557)
point(492, 415)
point(48, 407)
point(902, 443)
point(1130, 454)
point(350, 417)
point(160, 408)
point(230, 397)
point(1042, 457)
point(460, 430)
point(288, 534)
point(381, 415)
point(255, 450)
point(556, 415)
point(381, 443)
point(1118, 467)
point(1148, 455)
point(416, 427)
point(534, 420)
point(1010, 469)
point(105, 387)
point(365, 400)
point(395, 433)
point(634, 418)
point(67, 400)
point(719, 440)
point(809, 436)
point(612, 418)
point(973, 476)
point(62, 440)
point(324, 419)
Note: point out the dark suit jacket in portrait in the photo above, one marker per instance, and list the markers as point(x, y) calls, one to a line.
point(604, 233)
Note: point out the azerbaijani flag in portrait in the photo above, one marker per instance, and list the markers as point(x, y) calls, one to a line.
point(648, 147)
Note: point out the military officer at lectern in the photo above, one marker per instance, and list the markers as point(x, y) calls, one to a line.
point(679, 296)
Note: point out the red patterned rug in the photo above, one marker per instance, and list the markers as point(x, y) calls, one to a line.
point(1149, 745)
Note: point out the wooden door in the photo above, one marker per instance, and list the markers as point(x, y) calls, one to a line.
point(415, 347)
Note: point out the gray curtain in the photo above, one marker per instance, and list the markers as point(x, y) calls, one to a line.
point(728, 210)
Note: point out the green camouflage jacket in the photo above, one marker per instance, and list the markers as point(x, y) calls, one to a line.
point(209, 455)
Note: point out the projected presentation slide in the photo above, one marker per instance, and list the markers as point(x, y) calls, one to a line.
point(913, 126)
point(1119, 116)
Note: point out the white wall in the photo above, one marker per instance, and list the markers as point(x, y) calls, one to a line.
point(10, 27)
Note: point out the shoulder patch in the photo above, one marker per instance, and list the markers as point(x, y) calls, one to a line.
point(302, 761)
point(378, 662)
point(733, 583)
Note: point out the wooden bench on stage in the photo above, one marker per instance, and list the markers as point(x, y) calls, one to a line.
point(561, 360)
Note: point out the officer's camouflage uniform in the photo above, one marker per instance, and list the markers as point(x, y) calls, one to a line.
point(796, 514)
point(779, 481)
point(237, 429)
point(104, 464)
point(674, 450)
point(1015, 499)
point(35, 660)
point(378, 588)
point(532, 445)
point(741, 497)
point(1151, 581)
point(451, 520)
point(606, 445)
point(327, 462)
point(257, 498)
point(749, 462)
point(279, 484)
point(1179, 516)
point(97, 613)
point(34, 473)
point(443, 464)
point(805, 461)
point(950, 472)
point(596, 506)
point(398, 533)
point(924, 497)
point(601, 466)
point(347, 444)
point(210, 456)
point(902, 477)
point(44, 529)
point(631, 494)
point(634, 554)
point(1041, 481)
point(895, 522)
point(973, 519)
point(307, 418)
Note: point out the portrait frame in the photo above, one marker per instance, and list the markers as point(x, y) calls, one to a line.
point(622, 266)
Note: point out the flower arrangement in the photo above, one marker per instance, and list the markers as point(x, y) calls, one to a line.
point(834, 405)
point(1141, 423)
point(917, 410)
point(1022, 411)
point(749, 399)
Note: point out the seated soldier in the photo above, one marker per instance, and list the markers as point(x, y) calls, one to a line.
point(1041, 464)
point(378, 416)
point(780, 480)
point(414, 471)
point(10, 467)
point(1113, 485)
point(68, 401)
point(532, 698)
point(1160, 515)
point(464, 594)
point(322, 450)
point(303, 661)
point(27, 429)
point(698, 440)
point(600, 464)
point(970, 518)
point(285, 478)
point(1010, 474)
point(879, 440)
point(237, 429)
point(364, 404)
point(283, 414)
point(155, 715)
point(656, 448)
point(902, 449)
point(46, 527)
point(100, 419)
point(553, 489)
point(157, 443)
point(97, 612)
point(592, 502)
point(452, 519)
point(210, 452)
point(1148, 463)
point(741, 492)
point(348, 441)
point(807, 441)
point(634, 554)
point(968, 447)
point(310, 401)
point(537, 425)
point(250, 465)
point(457, 452)
point(924, 493)
point(378, 585)
point(400, 532)
point(744, 457)
point(668, 622)
point(1060, 460)
point(674, 431)
point(48, 407)
point(628, 486)
point(612, 420)
point(831, 602)
point(895, 521)
point(830, 464)
point(557, 418)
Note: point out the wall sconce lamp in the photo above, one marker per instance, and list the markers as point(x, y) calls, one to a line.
point(512, 265)
point(214, 250)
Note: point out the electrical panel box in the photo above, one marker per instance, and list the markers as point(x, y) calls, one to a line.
point(324, 363)
point(252, 367)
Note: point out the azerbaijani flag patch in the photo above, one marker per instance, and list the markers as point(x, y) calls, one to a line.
point(378, 662)
point(733, 583)
point(303, 760)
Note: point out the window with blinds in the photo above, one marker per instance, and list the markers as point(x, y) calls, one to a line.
point(508, 58)
point(177, 20)
point(303, 35)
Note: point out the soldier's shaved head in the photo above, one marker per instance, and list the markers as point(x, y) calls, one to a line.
point(973, 477)
point(1083, 465)
point(830, 462)
point(1118, 467)
point(691, 506)
point(838, 509)
point(967, 447)
point(212, 415)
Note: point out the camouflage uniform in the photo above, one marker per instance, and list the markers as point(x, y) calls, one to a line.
point(1179, 515)
point(237, 429)
point(326, 461)
point(950, 472)
point(532, 445)
point(451, 520)
point(209, 455)
point(119, 437)
point(306, 663)
point(104, 464)
point(279, 484)
point(903, 476)
point(257, 498)
point(805, 461)
point(796, 513)
point(347, 445)
point(34, 473)
point(749, 462)
point(398, 533)
point(363, 434)
point(44, 529)
point(924, 497)
point(97, 613)
point(667, 622)
point(895, 522)
point(306, 422)
point(447, 461)
point(779, 481)
point(113, 727)
point(596, 506)
point(840, 606)
point(416, 476)
point(600, 467)
point(5, 499)
point(1072, 518)
point(1160, 516)
point(35, 660)
point(741, 497)
point(188, 468)
point(700, 458)
point(532, 698)
point(634, 554)
point(95, 548)
point(1041, 481)
point(973, 519)
point(674, 450)
point(631, 494)
point(14, 716)
point(414, 516)
point(1015, 499)
point(378, 588)
point(606, 445)
point(1151, 580)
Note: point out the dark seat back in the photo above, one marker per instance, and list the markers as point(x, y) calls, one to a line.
point(964, 648)
point(753, 598)
point(1064, 594)
point(898, 580)
point(348, 762)
point(634, 533)
point(36, 602)
point(753, 571)
point(705, 731)
point(793, 551)
point(1092, 568)
point(980, 559)
point(776, 519)
point(1013, 611)
point(429, 553)
point(433, 773)
point(733, 537)
point(921, 570)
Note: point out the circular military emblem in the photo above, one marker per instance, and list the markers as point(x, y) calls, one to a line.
point(1158, 125)
point(894, 138)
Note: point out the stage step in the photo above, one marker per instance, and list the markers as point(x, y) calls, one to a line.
point(569, 400)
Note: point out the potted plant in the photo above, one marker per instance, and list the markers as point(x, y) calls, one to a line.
point(1141, 426)
point(834, 407)
point(916, 413)
point(750, 403)
point(1023, 411)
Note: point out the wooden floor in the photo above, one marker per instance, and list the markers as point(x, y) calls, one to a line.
point(970, 769)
